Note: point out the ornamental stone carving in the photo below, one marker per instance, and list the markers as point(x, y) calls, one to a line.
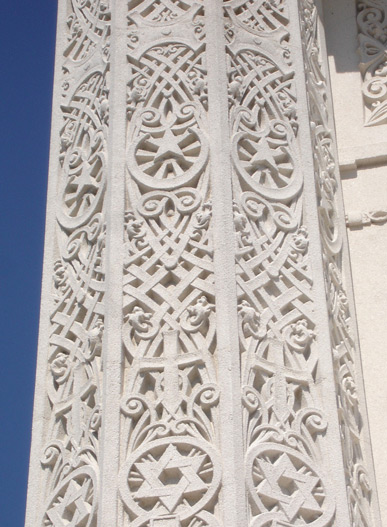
point(189, 379)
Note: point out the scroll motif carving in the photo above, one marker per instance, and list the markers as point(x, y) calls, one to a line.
point(283, 412)
point(342, 340)
point(171, 470)
point(74, 375)
point(372, 26)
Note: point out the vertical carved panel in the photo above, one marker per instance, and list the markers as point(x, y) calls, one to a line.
point(372, 26)
point(283, 410)
point(71, 457)
point(342, 338)
point(171, 470)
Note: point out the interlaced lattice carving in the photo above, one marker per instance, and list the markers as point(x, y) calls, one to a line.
point(260, 17)
point(342, 339)
point(372, 25)
point(171, 470)
point(283, 410)
point(74, 361)
point(160, 11)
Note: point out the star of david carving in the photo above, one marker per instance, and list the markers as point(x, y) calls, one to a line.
point(74, 508)
point(293, 489)
point(171, 478)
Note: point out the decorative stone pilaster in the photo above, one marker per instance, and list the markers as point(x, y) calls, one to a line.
point(347, 372)
point(66, 454)
point(212, 378)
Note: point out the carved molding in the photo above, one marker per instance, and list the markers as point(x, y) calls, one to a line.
point(372, 27)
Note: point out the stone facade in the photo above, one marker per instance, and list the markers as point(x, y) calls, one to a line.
point(199, 361)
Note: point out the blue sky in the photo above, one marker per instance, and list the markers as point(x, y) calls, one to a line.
point(27, 37)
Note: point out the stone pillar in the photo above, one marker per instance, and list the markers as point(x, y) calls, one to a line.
point(197, 359)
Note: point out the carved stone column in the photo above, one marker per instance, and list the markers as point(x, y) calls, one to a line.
point(198, 364)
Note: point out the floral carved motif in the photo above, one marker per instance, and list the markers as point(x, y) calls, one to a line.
point(372, 26)
point(74, 376)
point(342, 340)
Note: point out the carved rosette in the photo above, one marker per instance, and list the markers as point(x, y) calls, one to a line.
point(342, 339)
point(283, 411)
point(372, 28)
point(71, 453)
point(171, 469)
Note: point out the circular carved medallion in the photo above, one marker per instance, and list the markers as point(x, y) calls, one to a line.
point(286, 483)
point(178, 475)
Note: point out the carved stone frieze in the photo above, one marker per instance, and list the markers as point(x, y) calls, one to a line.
point(372, 26)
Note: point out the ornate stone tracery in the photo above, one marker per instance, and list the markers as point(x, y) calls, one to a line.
point(284, 414)
point(171, 465)
point(171, 411)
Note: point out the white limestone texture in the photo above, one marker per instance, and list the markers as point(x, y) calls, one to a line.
point(198, 360)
